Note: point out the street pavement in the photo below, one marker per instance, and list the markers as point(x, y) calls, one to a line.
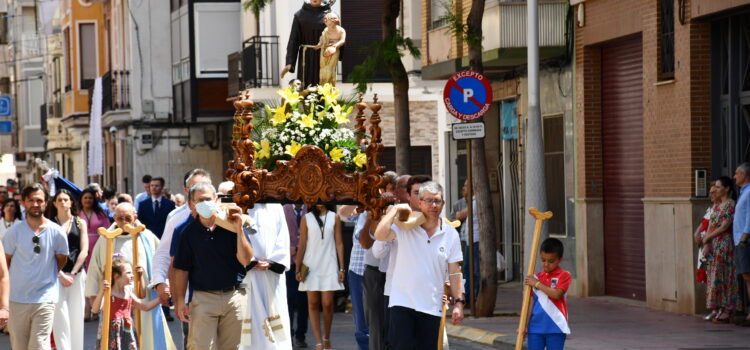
point(342, 336)
point(607, 323)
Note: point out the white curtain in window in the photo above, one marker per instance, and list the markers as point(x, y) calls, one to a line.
point(96, 156)
point(47, 13)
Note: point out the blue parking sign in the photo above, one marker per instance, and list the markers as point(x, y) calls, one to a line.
point(6, 126)
point(467, 95)
point(5, 106)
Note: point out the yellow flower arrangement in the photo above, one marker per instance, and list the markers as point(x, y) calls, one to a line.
point(311, 117)
point(293, 148)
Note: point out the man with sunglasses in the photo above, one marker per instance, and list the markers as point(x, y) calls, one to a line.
point(36, 250)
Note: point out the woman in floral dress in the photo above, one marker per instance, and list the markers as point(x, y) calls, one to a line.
point(721, 287)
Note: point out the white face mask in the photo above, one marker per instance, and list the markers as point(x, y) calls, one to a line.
point(206, 209)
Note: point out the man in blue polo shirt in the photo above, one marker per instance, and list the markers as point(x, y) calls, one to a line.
point(37, 250)
point(741, 227)
point(214, 261)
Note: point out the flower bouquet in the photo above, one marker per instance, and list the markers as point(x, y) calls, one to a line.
point(312, 117)
point(303, 151)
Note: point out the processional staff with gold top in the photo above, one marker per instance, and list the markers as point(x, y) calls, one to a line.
point(110, 237)
point(135, 232)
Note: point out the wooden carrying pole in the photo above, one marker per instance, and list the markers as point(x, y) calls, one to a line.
point(135, 232)
point(540, 218)
point(441, 334)
point(110, 237)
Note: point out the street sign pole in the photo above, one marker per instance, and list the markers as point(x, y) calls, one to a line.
point(468, 96)
point(470, 227)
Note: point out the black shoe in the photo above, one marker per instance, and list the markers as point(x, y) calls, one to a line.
point(300, 343)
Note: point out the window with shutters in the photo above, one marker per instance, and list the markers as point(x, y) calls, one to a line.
point(87, 54)
point(3, 28)
point(554, 168)
point(421, 159)
point(666, 40)
point(362, 21)
point(67, 57)
point(438, 9)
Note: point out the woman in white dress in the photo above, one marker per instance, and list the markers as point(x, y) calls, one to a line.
point(321, 250)
point(11, 215)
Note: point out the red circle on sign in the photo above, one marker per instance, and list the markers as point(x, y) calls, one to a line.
point(453, 84)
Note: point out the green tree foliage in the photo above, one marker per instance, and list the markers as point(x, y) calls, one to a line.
point(256, 6)
point(459, 28)
point(381, 53)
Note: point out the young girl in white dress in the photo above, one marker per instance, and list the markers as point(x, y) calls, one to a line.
point(321, 250)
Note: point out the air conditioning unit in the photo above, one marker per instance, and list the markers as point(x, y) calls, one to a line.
point(161, 116)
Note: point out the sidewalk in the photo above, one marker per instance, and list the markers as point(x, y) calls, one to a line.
point(606, 323)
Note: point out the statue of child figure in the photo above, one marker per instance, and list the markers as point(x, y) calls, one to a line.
point(332, 39)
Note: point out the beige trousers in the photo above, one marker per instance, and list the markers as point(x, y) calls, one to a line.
point(216, 320)
point(30, 325)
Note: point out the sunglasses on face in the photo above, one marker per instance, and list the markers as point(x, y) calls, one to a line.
point(37, 247)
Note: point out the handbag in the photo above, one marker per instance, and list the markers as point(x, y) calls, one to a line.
point(303, 272)
point(700, 273)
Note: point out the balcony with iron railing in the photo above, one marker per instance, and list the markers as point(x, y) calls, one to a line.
point(504, 38)
point(257, 66)
point(30, 45)
point(115, 91)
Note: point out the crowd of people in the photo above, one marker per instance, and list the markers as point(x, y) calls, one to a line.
point(724, 255)
point(248, 280)
point(253, 280)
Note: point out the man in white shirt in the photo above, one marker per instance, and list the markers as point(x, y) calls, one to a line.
point(146, 191)
point(428, 255)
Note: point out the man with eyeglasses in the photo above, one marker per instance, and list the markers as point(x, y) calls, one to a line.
point(36, 250)
point(427, 255)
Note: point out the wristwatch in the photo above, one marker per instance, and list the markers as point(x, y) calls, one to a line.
point(459, 300)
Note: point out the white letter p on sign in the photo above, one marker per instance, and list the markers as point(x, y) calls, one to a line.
point(467, 94)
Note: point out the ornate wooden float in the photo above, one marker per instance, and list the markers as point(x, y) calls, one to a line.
point(310, 177)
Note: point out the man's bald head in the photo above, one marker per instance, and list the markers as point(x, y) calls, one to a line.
point(124, 208)
point(125, 214)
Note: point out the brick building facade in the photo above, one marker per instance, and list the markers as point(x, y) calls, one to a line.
point(648, 117)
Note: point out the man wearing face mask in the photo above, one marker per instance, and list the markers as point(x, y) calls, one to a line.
point(163, 256)
point(153, 323)
point(214, 261)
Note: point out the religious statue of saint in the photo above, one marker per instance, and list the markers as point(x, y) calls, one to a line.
point(307, 27)
point(332, 39)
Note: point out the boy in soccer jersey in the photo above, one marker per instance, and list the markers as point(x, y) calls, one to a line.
point(548, 325)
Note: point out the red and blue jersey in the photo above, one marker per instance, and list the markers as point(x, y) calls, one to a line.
point(547, 315)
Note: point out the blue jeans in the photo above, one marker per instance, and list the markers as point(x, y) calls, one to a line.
point(297, 305)
point(361, 332)
point(549, 341)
